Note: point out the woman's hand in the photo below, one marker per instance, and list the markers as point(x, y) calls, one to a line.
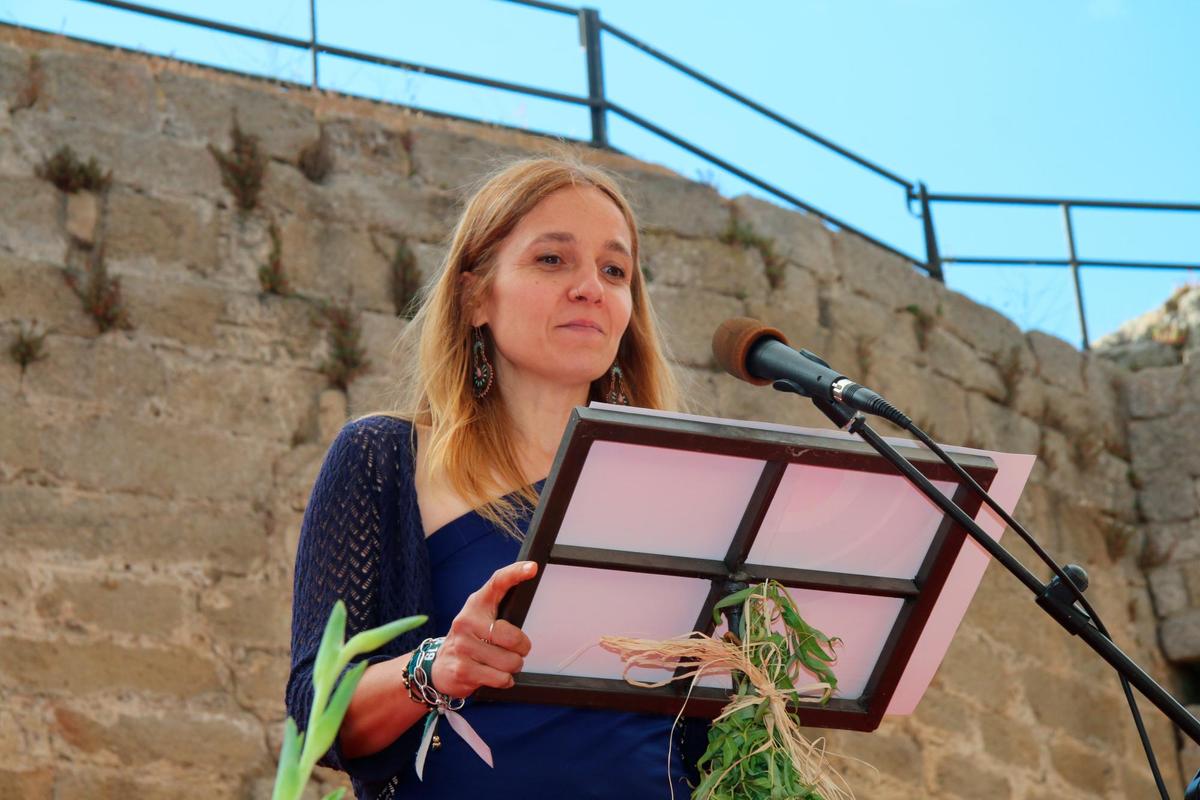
point(481, 650)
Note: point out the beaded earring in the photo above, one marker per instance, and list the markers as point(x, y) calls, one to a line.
point(616, 386)
point(483, 374)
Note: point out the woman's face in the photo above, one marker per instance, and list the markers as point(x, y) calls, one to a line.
point(560, 299)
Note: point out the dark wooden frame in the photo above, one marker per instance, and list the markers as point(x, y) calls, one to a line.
point(777, 450)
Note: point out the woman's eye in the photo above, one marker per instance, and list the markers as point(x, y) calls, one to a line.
point(552, 260)
point(614, 271)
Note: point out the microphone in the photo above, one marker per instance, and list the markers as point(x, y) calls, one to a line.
point(758, 354)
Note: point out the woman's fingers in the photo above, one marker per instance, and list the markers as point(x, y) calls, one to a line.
point(487, 598)
point(508, 636)
point(460, 677)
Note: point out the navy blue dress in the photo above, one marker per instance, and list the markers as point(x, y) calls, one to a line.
point(362, 541)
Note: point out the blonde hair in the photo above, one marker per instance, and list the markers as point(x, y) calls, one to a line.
point(434, 384)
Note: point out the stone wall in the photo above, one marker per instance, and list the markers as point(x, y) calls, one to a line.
point(153, 477)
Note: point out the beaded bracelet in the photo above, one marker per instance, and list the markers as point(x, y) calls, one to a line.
point(418, 678)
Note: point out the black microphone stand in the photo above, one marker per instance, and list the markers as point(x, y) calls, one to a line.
point(1055, 598)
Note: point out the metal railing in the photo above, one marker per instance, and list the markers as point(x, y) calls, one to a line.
point(591, 31)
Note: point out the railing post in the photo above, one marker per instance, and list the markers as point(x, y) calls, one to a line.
point(589, 37)
point(1074, 260)
point(312, 27)
point(933, 259)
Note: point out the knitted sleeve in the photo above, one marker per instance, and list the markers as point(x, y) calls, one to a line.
point(338, 557)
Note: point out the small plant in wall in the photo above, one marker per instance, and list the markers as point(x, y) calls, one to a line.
point(26, 348)
point(243, 167)
point(406, 280)
point(742, 234)
point(71, 174)
point(316, 159)
point(347, 358)
point(99, 293)
point(270, 275)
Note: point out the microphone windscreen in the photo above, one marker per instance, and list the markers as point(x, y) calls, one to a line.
point(732, 341)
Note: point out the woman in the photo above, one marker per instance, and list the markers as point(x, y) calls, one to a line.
point(540, 307)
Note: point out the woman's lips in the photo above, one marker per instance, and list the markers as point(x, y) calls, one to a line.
point(582, 325)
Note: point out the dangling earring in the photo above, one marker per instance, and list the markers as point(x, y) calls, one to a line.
point(616, 386)
point(482, 372)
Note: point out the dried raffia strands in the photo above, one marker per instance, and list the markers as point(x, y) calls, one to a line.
point(767, 667)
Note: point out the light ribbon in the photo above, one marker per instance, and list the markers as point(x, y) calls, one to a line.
point(461, 727)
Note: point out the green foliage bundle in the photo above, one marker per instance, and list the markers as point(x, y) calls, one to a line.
point(270, 275)
point(300, 751)
point(406, 280)
point(27, 347)
point(755, 751)
point(742, 234)
point(100, 294)
point(347, 357)
point(72, 174)
point(243, 168)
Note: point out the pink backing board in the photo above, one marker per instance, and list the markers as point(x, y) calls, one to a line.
point(648, 499)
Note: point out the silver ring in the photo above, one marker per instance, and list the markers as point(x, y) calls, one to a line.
point(488, 639)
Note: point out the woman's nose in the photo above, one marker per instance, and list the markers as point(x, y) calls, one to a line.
point(588, 286)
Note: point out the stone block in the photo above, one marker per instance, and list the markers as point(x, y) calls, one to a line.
point(958, 777)
point(1082, 767)
point(456, 161)
point(689, 320)
point(180, 738)
point(166, 460)
point(116, 783)
point(1168, 496)
point(331, 415)
point(28, 784)
point(260, 676)
point(140, 159)
point(159, 235)
point(1156, 392)
point(185, 312)
point(1079, 710)
point(973, 668)
point(269, 329)
point(988, 331)
point(385, 202)
point(1058, 362)
point(855, 317)
point(95, 88)
point(30, 220)
point(704, 264)
point(1073, 416)
point(937, 405)
point(996, 427)
point(225, 608)
point(110, 371)
point(1140, 355)
point(1159, 444)
point(14, 75)
point(113, 603)
point(83, 213)
point(953, 359)
point(260, 402)
point(1180, 635)
point(802, 239)
point(665, 203)
point(84, 668)
point(360, 145)
point(131, 529)
point(15, 585)
point(201, 110)
point(883, 276)
point(793, 308)
point(1009, 741)
point(332, 261)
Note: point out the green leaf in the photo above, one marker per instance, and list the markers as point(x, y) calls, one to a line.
point(331, 718)
point(731, 600)
point(325, 665)
point(336, 794)
point(287, 775)
point(375, 638)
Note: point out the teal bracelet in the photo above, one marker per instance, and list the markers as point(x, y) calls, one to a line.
point(418, 678)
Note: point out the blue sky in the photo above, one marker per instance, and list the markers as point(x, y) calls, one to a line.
point(1079, 98)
